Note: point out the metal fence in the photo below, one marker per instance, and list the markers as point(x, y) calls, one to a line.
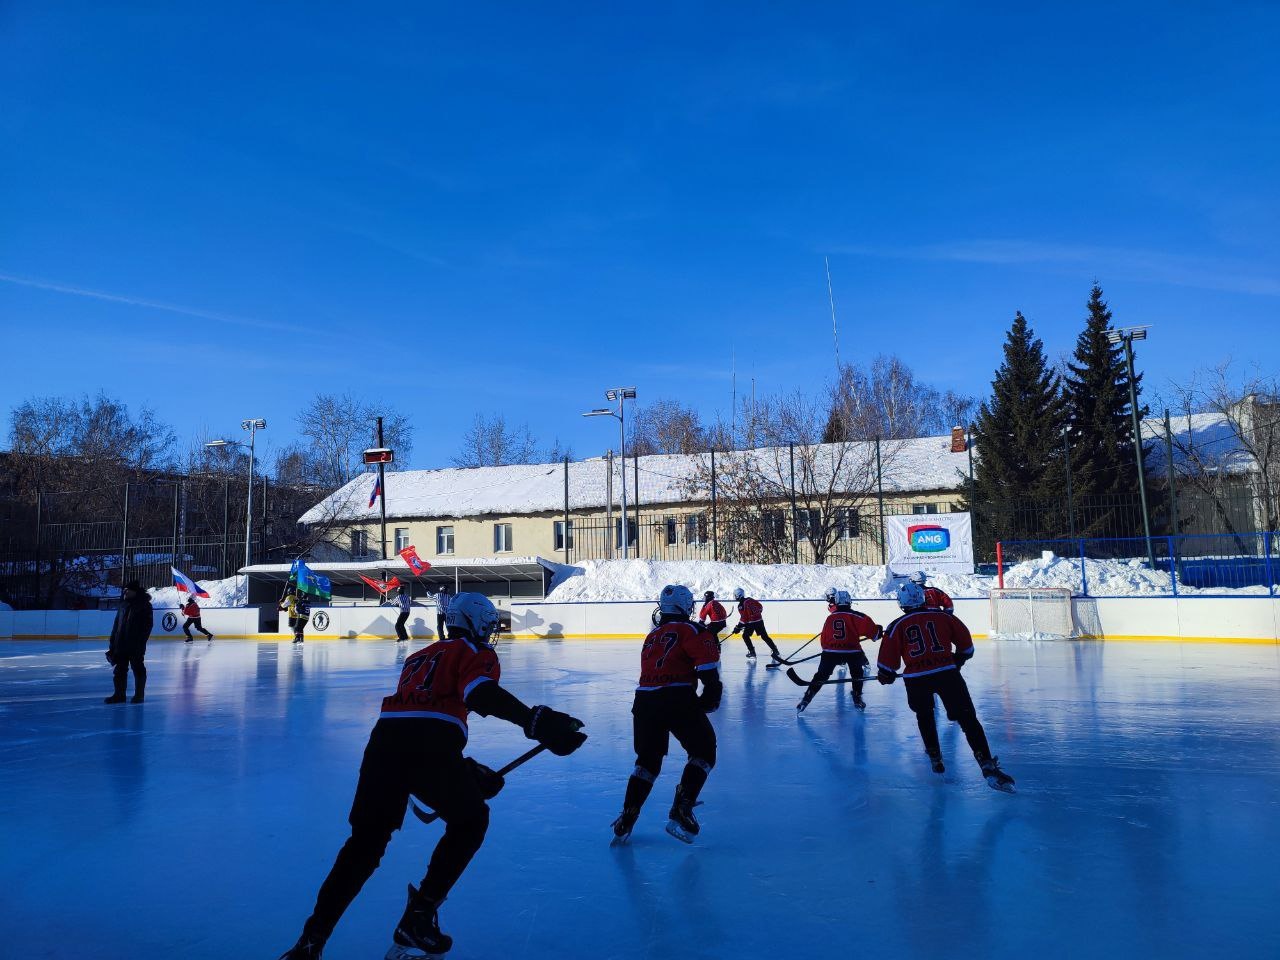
point(1200, 565)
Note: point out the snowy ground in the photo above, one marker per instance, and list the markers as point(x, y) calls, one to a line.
point(597, 580)
point(199, 824)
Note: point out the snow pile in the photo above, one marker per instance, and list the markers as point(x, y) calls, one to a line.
point(231, 592)
point(1029, 637)
point(602, 580)
point(1107, 578)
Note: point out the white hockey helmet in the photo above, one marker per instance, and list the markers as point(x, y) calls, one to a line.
point(910, 595)
point(843, 599)
point(831, 595)
point(676, 598)
point(474, 613)
point(918, 577)
point(739, 594)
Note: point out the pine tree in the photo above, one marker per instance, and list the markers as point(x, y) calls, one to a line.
point(1019, 479)
point(1100, 419)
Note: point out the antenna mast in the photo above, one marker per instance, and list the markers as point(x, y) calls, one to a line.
point(835, 333)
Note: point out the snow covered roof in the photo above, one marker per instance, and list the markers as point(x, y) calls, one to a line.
point(922, 464)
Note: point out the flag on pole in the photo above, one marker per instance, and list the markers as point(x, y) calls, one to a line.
point(185, 584)
point(382, 586)
point(416, 563)
point(308, 581)
point(377, 492)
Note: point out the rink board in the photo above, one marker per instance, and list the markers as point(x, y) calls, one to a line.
point(1246, 620)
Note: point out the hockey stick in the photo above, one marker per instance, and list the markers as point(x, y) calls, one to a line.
point(791, 663)
point(801, 682)
point(525, 757)
point(789, 658)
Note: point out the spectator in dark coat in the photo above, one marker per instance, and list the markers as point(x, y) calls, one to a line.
point(129, 635)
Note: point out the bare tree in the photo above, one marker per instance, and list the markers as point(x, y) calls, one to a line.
point(831, 484)
point(337, 431)
point(887, 400)
point(1239, 451)
point(667, 427)
point(491, 442)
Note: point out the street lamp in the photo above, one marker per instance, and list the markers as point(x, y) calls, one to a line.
point(1127, 335)
point(253, 426)
point(619, 395)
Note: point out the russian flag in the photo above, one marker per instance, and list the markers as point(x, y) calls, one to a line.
point(377, 492)
point(185, 584)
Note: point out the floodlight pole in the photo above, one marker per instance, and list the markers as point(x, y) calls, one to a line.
point(382, 486)
point(253, 426)
point(1127, 336)
point(621, 394)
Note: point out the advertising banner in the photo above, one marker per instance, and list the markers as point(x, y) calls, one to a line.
point(933, 542)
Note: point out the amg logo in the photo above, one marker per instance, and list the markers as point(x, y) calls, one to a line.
point(928, 538)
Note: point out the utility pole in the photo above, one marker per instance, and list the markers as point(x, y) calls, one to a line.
point(382, 485)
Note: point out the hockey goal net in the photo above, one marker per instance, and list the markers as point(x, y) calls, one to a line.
point(1032, 611)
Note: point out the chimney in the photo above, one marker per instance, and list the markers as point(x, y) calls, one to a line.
point(958, 442)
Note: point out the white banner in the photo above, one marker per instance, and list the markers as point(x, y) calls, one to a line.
point(933, 542)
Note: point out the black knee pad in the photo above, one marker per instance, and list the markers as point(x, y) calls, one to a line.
point(472, 825)
point(705, 764)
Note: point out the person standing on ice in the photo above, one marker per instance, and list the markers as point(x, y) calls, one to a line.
point(405, 604)
point(191, 610)
point(842, 636)
point(415, 750)
point(712, 616)
point(751, 624)
point(931, 646)
point(442, 610)
point(298, 606)
point(676, 655)
point(934, 598)
point(127, 647)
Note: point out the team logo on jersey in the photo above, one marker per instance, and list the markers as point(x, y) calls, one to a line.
point(320, 621)
point(928, 538)
point(170, 622)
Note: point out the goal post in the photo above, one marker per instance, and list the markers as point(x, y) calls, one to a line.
point(1043, 611)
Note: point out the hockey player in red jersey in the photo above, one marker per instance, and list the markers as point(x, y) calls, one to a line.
point(934, 598)
point(842, 637)
point(677, 654)
point(415, 749)
point(712, 615)
point(931, 646)
point(751, 624)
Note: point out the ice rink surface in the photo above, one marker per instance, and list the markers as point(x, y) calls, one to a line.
point(200, 824)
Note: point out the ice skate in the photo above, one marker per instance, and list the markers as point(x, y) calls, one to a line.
point(751, 656)
point(683, 825)
point(307, 948)
point(418, 932)
point(859, 702)
point(937, 765)
point(997, 779)
point(623, 826)
point(804, 702)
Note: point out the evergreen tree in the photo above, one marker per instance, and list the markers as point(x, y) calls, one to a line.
point(1019, 482)
point(1100, 419)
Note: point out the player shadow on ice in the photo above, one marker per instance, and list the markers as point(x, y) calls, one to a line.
point(661, 898)
point(527, 621)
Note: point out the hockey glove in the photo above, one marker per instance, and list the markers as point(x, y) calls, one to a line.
point(557, 731)
point(111, 657)
point(489, 781)
point(736, 630)
point(712, 693)
point(886, 676)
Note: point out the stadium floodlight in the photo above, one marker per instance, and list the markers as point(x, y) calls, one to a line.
point(619, 395)
point(253, 425)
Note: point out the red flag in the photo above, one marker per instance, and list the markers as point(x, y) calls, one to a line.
point(382, 586)
point(416, 563)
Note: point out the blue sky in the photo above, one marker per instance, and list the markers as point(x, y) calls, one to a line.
point(220, 209)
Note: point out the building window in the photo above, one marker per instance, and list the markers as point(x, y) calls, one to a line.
point(359, 543)
point(775, 525)
point(808, 524)
point(502, 538)
point(402, 538)
point(695, 529)
point(562, 541)
point(672, 527)
point(849, 522)
point(924, 508)
point(444, 540)
point(617, 532)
